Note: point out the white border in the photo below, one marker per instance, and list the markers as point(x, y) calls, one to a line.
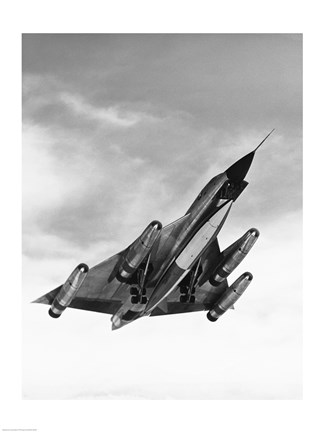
point(166, 16)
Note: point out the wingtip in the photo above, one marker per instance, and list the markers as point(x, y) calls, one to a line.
point(41, 300)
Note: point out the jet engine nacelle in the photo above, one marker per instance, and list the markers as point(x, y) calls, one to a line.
point(138, 251)
point(68, 291)
point(233, 256)
point(232, 294)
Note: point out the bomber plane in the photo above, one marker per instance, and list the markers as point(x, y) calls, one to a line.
point(168, 270)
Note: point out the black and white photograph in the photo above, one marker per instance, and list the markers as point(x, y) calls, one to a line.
point(162, 216)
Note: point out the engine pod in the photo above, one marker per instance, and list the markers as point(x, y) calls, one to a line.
point(234, 255)
point(232, 294)
point(68, 291)
point(138, 251)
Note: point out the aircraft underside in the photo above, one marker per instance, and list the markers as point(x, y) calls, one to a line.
point(195, 280)
point(171, 270)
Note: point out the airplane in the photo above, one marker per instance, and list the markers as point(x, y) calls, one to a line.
point(174, 269)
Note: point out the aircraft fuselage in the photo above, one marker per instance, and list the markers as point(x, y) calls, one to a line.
point(175, 256)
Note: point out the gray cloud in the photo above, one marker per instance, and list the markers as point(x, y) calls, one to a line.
point(223, 80)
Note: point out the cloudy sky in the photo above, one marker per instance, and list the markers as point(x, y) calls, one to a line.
point(119, 130)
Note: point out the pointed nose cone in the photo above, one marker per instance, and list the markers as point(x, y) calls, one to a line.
point(239, 169)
